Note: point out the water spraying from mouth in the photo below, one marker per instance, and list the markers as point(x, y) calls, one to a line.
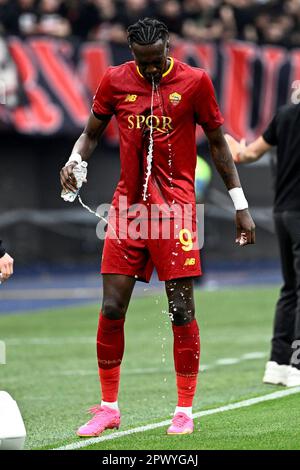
point(150, 148)
point(170, 150)
point(156, 92)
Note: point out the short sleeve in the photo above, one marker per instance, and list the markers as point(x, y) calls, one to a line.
point(103, 107)
point(270, 134)
point(208, 114)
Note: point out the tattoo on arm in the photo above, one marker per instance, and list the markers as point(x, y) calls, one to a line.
point(222, 159)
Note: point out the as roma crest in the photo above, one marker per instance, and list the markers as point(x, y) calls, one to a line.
point(175, 98)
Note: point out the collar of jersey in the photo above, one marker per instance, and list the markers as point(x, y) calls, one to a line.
point(164, 74)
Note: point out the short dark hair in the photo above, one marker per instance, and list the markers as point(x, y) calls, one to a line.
point(147, 31)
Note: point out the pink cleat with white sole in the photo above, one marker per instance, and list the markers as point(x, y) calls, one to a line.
point(181, 424)
point(104, 418)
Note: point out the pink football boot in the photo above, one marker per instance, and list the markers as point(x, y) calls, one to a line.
point(181, 424)
point(104, 418)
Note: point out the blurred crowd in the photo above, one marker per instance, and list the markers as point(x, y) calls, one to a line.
point(260, 21)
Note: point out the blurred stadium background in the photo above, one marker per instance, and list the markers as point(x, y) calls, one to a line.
point(52, 56)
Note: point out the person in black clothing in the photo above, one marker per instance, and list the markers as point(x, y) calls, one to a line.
point(283, 132)
point(2, 251)
point(20, 17)
point(6, 264)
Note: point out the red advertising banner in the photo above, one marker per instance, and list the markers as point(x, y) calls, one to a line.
point(46, 85)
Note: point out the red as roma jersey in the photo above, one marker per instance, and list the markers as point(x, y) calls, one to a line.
point(184, 97)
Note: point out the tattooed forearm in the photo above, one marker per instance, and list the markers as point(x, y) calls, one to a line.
point(222, 158)
point(225, 166)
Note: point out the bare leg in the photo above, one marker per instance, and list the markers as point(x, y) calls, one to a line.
point(117, 290)
point(181, 300)
point(186, 350)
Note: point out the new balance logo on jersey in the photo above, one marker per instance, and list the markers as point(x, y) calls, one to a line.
point(160, 123)
point(190, 262)
point(131, 98)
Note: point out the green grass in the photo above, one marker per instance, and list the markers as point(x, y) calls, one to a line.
point(56, 381)
point(266, 426)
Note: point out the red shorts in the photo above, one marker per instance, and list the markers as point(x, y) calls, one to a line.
point(173, 252)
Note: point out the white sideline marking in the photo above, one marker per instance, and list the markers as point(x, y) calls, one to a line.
point(227, 361)
point(149, 427)
point(253, 355)
point(52, 293)
point(55, 340)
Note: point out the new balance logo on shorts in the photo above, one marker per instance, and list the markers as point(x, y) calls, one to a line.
point(190, 262)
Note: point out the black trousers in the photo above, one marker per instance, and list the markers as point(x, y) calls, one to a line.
point(287, 314)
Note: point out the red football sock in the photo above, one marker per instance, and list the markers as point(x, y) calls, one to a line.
point(110, 380)
point(186, 357)
point(110, 349)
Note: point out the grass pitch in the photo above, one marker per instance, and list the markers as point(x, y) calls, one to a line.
point(51, 371)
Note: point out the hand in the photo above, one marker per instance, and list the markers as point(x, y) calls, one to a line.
point(6, 267)
point(245, 228)
point(67, 178)
point(236, 148)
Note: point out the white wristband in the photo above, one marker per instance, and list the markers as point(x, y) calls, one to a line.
point(238, 198)
point(74, 157)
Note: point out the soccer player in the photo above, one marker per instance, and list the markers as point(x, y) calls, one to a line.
point(6, 264)
point(157, 102)
point(283, 131)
